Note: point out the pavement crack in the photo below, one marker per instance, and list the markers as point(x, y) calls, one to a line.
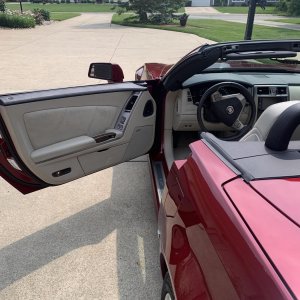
point(119, 42)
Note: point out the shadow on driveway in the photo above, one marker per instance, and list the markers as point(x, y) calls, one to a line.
point(128, 212)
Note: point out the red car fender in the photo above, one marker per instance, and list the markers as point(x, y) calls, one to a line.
point(178, 259)
point(208, 248)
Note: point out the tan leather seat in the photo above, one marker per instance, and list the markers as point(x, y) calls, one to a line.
point(262, 127)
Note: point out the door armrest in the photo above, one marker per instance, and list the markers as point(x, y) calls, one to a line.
point(62, 148)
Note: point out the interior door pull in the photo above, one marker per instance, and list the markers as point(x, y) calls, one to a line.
point(109, 134)
point(104, 137)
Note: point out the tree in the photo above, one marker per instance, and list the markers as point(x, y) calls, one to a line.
point(169, 6)
point(163, 7)
point(142, 7)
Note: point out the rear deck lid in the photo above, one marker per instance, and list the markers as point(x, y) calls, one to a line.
point(271, 211)
point(282, 194)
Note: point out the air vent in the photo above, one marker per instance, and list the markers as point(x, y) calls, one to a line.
point(273, 91)
point(263, 90)
point(296, 46)
point(281, 90)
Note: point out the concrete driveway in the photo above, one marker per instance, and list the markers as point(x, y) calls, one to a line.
point(94, 238)
point(201, 10)
point(58, 55)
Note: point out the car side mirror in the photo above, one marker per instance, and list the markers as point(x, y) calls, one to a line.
point(107, 71)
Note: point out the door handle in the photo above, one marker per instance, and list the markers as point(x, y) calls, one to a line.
point(108, 135)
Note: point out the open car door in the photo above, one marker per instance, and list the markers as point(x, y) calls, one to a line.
point(55, 136)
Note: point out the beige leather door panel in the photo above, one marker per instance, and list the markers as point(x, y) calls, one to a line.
point(68, 123)
point(67, 134)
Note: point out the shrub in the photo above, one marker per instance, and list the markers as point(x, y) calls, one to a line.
point(43, 12)
point(282, 6)
point(63, 1)
point(16, 21)
point(156, 19)
point(291, 7)
point(68, 1)
point(294, 8)
point(120, 10)
point(2, 6)
point(38, 18)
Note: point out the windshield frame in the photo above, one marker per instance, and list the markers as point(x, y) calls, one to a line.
point(259, 65)
point(196, 62)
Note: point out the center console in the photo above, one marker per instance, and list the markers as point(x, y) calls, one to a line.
point(266, 95)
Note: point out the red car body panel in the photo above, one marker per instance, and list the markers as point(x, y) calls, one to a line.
point(206, 241)
point(18, 176)
point(156, 70)
point(283, 194)
point(280, 211)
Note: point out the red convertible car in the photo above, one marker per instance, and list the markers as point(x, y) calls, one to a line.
point(221, 130)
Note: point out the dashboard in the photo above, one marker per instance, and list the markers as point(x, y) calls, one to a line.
point(266, 88)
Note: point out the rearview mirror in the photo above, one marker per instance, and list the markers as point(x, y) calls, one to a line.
point(106, 71)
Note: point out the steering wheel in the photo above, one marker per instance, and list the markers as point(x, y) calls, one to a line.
point(228, 108)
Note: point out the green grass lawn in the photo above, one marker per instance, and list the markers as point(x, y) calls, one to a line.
point(58, 16)
point(215, 30)
point(65, 7)
point(289, 20)
point(244, 10)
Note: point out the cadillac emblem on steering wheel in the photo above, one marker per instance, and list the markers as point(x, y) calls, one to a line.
point(229, 110)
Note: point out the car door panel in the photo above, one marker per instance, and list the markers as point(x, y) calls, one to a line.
point(64, 134)
point(68, 123)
